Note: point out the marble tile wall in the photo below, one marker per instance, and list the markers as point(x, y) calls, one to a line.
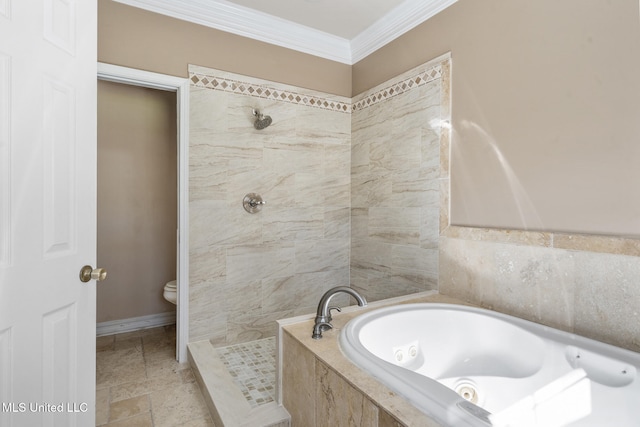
point(247, 270)
point(317, 396)
point(594, 294)
point(395, 183)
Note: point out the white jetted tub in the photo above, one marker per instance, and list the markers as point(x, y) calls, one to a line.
point(465, 366)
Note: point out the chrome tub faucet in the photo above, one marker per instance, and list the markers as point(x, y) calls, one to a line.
point(323, 316)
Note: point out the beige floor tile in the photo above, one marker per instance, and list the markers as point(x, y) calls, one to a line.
point(129, 408)
point(205, 422)
point(138, 388)
point(118, 374)
point(164, 367)
point(140, 384)
point(102, 406)
point(105, 343)
point(134, 342)
point(176, 406)
point(142, 420)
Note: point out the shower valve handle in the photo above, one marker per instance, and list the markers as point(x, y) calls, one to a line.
point(253, 202)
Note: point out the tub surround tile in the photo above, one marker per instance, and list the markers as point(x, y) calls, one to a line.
point(602, 283)
point(298, 383)
point(598, 244)
point(490, 275)
point(517, 237)
point(317, 375)
point(340, 404)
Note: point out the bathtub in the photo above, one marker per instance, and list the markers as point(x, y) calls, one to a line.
point(465, 366)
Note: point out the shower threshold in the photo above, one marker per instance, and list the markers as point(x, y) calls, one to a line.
point(238, 383)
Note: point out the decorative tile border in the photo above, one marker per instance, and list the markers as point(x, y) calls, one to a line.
point(412, 79)
point(267, 92)
point(420, 78)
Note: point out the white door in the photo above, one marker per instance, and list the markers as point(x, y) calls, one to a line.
point(47, 211)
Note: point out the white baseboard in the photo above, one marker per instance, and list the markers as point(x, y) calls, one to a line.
point(135, 323)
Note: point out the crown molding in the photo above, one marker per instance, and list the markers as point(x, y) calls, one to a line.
point(398, 21)
point(233, 18)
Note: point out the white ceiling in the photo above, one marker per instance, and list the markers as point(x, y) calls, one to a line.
point(342, 18)
point(341, 30)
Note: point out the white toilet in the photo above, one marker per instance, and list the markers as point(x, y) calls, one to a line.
point(171, 292)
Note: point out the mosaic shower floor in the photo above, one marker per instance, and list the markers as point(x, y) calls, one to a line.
point(253, 368)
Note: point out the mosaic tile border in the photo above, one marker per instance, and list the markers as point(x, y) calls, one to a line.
point(266, 92)
point(406, 84)
point(414, 79)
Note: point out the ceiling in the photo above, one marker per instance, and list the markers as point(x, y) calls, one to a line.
point(341, 18)
point(341, 30)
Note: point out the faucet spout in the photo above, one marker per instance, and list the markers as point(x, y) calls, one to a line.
point(323, 316)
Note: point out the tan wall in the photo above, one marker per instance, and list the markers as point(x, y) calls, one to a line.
point(137, 207)
point(140, 39)
point(546, 100)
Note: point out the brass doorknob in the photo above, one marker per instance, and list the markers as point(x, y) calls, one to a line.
point(89, 273)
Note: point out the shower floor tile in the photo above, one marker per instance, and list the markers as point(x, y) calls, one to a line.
point(253, 368)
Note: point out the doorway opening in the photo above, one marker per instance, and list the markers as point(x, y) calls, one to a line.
point(179, 86)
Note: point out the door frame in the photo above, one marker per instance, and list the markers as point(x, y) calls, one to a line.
point(179, 85)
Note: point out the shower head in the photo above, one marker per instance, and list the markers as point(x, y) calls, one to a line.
point(261, 121)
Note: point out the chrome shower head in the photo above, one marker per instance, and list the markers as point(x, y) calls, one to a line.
point(261, 121)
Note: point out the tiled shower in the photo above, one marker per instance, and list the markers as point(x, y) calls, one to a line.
point(247, 270)
point(352, 198)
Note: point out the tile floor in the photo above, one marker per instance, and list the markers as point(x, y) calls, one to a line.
point(140, 384)
point(252, 366)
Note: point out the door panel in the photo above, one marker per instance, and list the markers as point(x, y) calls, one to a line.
point(47, 212)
